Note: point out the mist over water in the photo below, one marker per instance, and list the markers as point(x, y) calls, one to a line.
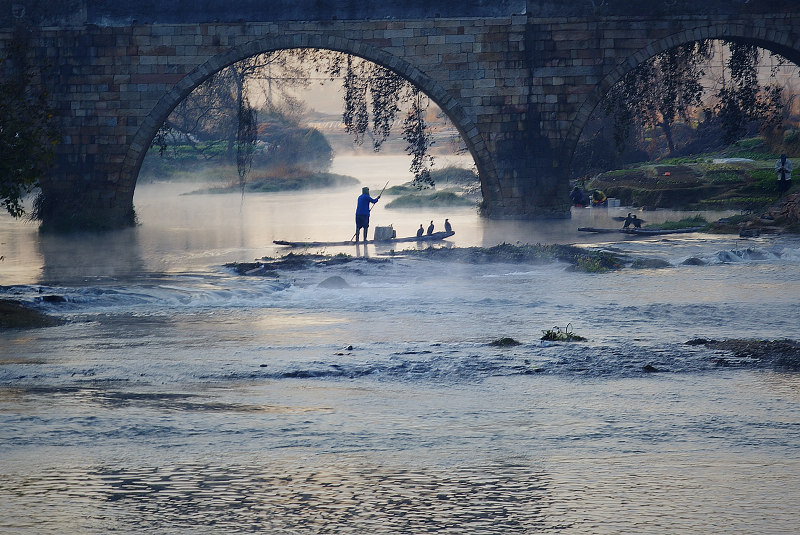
point(180, 397)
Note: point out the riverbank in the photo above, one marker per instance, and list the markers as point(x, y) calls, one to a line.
point(740, 178)
point(283, 182)
point(781, 217)
point(454, 186)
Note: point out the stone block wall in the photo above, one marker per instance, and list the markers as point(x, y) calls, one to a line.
point(519, 89)
point(576, 61)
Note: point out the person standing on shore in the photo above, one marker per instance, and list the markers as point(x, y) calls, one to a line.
point(362, 211)
point(783, 168)
point(577, 197)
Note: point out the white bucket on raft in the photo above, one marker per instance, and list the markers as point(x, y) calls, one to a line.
point(384, 233)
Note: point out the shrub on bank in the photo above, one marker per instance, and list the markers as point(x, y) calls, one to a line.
point(424, 200)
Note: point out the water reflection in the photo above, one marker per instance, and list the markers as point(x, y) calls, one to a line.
point(362, 251)
point(192, 232)
point(348, 497)
point(81, 256)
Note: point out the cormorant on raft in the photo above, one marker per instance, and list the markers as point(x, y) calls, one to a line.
point(447, 226)
point(632, 219)
point(430, 228)
point(629, 216)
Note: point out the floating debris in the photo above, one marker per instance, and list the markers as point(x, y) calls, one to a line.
point(556, 334)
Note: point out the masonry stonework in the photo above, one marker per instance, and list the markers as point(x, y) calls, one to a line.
point(519, 89)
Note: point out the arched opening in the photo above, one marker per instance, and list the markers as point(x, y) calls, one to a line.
point(448, 107)
point(661, 127)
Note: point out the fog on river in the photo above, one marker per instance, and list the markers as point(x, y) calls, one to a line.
point(178, 231)
point(181, 397)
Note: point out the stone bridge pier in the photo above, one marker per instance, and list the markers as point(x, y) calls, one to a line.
point(518, 79)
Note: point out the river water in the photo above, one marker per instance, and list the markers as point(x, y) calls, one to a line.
point(180, 397)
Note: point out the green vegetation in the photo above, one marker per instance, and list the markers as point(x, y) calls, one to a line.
point(694, 98)
point(754, 148)
point(738, 203)
point(661, 96)
point(680, 160)
point(697, 183)
point(437, 199)
point(286, 183)
point(403, 189)
point(594, 264)
point(556, 334)
point(454, 175)
point(317, 180)
point(453, 183)
point(284, 150)
point(27, 134)
point(725, 175)
point(446, 178)
point(694, 221)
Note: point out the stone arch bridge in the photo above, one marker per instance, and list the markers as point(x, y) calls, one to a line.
point(518, 78)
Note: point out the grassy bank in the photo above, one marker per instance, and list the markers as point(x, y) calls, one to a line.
point(295, 182)
point(429, 200)
point(687, 222)
point(454, 186)
point(740, 178)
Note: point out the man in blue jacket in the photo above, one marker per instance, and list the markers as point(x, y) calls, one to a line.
point(362, 211)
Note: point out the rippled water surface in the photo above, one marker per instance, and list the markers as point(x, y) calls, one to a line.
point(180, 397)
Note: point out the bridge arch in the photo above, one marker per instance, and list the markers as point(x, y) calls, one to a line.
point(148, 129)
point(778, 42)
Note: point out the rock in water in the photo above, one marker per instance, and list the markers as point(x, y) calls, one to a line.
point(334, 282)
point(694, 261)
point(749, 233)
point(650, 263)
point(15, 315)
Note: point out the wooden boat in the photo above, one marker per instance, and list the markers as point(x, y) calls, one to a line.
point(436, 236)
point(642, 231)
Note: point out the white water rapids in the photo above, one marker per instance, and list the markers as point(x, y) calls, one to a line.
point(180, 397)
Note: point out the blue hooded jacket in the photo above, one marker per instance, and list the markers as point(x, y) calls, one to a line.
point(363, 204)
